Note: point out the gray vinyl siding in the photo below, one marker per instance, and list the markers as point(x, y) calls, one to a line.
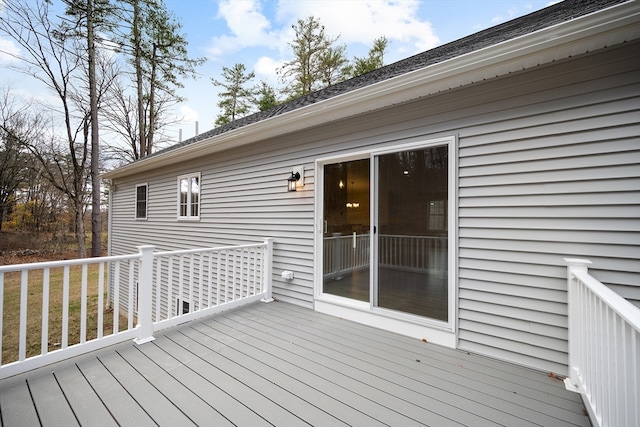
point(548, 168)
point(558, 176)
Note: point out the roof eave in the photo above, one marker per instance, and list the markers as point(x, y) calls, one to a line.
point(604, 28)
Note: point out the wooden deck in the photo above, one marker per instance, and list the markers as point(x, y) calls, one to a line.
point(278, 364)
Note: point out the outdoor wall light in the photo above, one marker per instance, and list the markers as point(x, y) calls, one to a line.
point(296, 180)
point(291, 181)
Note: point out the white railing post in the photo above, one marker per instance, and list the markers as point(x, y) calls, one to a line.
point(573, 265)
point(145, 296)
point(267, 269)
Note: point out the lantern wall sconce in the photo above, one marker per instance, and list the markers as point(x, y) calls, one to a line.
point(296, 179)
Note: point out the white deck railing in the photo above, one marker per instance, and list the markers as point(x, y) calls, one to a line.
point(147, 289)
point(604, 349)
point(343, 254)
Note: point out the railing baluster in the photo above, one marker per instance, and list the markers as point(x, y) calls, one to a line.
point(144, 325)
point(44, 344)
point(234, 275)
point(191, 274)
point(255, 270)
point(116, 300)
point(226, 276)
point(180, 301)
point(210, 283)
point(218, 278)
point(65, 307)
point(170, 287)
point(83, 306)
point(1, 311)
point(24, 294)
point(100, 325)
point(201, 281)
point(130, 295)
point(157, 289)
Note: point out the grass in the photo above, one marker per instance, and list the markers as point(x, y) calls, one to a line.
point(11, 315)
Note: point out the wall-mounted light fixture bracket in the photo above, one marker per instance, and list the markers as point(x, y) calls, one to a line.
point(296, 179)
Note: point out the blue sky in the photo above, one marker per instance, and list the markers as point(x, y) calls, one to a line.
point(256, 33)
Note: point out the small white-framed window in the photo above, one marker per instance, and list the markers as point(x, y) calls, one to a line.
point(142, 194)
point(189, 196)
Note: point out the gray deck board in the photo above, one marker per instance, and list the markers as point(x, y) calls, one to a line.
point(289, 377)
point(182, 367)
point(535, 396)
point(198, 410)
point(124, 409)
point(50, 402)
point(86, 405)
point(401, 381)
point(253, 378)
point(16, 405)
point(403, 407)
point(278, 364)
point(144, 393)
point(322, 379)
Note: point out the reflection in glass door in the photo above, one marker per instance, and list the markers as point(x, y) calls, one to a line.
point(412, 239)
point(346, 236)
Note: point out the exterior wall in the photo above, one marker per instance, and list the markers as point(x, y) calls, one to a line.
point(548, 168)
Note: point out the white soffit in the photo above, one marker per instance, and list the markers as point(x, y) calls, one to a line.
point(598, 30)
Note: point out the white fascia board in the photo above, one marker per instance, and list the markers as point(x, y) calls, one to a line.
point(604, 28)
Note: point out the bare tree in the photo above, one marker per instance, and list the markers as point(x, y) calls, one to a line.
point(55, 60)
point(13, 161)
point(122, 117)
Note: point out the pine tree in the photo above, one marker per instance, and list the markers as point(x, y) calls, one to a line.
point(316, 63)
point(373, 61)
point(235, 99)
point(265, 96)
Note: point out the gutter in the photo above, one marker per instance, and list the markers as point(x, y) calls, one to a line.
point(607, 27)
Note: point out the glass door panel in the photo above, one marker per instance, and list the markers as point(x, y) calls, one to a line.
point(412, 239)
point(346, 237)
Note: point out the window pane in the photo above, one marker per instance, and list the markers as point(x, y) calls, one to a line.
point(141, 201)
point(195, 196)
point(184, 194)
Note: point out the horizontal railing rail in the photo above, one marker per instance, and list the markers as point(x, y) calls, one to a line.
point(604, 349)
point(145, 291)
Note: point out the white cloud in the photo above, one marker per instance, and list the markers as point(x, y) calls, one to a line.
point(362, 21)
point(248, 28)
point(266, 69)
point(187, 114)
point(8, 51)
point(357, 22)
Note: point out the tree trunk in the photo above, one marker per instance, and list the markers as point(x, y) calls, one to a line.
point(142, 131)
point(96, 232)
point(80, 233)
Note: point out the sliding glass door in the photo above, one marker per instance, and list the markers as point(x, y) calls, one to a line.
point(399, 262)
